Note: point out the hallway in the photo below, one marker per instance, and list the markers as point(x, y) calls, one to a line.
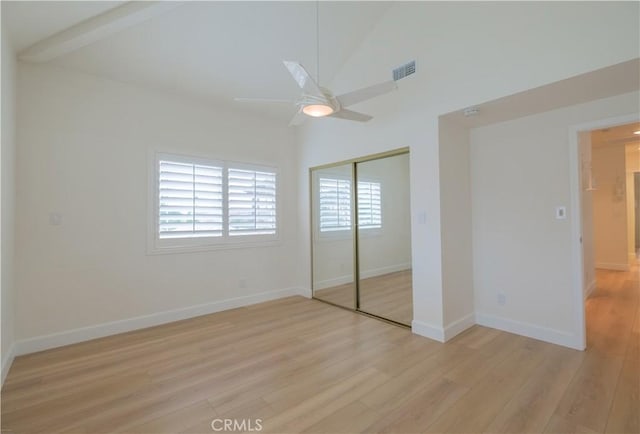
point(607, 385)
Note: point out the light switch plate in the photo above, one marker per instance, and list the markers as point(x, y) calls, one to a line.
point(561, 212)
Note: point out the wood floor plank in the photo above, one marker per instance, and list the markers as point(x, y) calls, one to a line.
point(560, 425)
point(416, 415)
point(485, 400)
point(302, 365)
point(311, 411)
point(178, 420)
point(589, 396)
point(389, 296)
point(624, 416)
point(413, 380)
point(354, 417)
point(532, 406)
point(482, 361)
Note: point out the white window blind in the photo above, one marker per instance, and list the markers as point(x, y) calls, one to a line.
point(252, 202)
point(335, 204)
point(190, 200)
point(369, 205)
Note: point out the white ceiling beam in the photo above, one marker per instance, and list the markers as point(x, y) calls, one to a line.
point(95, 29)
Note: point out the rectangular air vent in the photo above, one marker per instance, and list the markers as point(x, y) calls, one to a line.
point(404, 70)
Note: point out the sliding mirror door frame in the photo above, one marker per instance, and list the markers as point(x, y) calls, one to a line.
point(354, 227)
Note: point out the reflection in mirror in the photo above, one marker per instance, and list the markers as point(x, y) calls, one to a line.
point(332, 227)
point(384, 238)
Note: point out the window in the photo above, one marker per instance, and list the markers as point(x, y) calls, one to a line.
point(335, 204)
point(190, 201)
point(200, 203)
point(252, 202)
point(369, 205)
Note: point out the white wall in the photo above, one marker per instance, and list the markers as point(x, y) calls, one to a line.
point(455, 211)
point(83, 152)
point(519, 175)
point(7, 216)
point(610, 207)
point(466, 53)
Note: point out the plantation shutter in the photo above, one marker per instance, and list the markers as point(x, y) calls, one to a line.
point(190, 200)
point(335, 204)
point(252, 202)
point(369, 205)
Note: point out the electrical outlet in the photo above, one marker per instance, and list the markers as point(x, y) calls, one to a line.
point(55, 219)
point(502, 299)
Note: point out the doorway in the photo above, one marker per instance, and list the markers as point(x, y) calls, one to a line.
point(361, 235)
point(605, 159)
point(636, 199)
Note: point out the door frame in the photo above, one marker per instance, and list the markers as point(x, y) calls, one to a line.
point(577, 251)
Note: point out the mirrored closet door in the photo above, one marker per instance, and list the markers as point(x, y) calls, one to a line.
point(333, 235)
point(384, 238)
point(361, 235)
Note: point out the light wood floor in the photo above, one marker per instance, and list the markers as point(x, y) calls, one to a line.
point(304, 366)
point(389, 296)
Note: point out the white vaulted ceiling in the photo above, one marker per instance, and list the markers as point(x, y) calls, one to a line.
point(29, 22)
point(210, 50)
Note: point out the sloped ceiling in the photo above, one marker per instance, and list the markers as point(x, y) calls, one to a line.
point(214, 51)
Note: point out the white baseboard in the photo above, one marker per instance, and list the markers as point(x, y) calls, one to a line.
point(611, 266)
point(54, 340)
point(7, 361)
point(428, 330)
point(342, 280)
point(458, 326)
point(305, 292)
point(590, 288)
point(336, 281)
point(530, 330)
point(365, 274)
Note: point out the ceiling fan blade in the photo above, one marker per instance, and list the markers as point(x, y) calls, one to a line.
point(351, 98)
point(261, 100)
point(304, 80)
point(351, 115)
point(298, 118)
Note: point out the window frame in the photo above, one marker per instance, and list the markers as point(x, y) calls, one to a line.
point(157, 245)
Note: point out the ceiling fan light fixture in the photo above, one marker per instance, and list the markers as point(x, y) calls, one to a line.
point(317, 110)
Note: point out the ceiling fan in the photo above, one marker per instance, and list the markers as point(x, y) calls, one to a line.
point(317, 101)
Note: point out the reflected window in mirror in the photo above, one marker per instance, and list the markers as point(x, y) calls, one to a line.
point(335, 204)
